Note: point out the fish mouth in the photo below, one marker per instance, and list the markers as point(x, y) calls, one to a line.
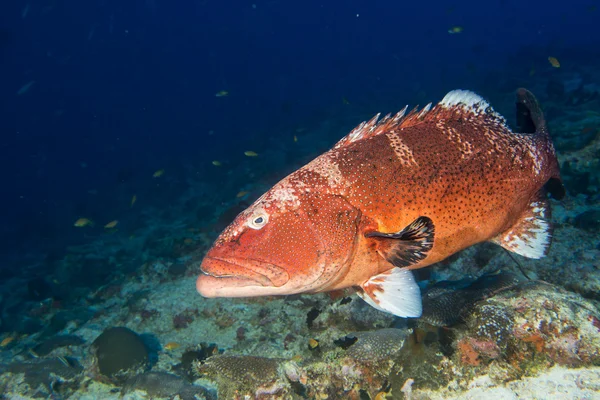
point(229, 277)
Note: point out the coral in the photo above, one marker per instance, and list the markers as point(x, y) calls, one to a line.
point(184, 318)
point(191, 358)
point(492, 322)
point(376, 345)
point(162, 384)
point(119, 351)
point(48, 378)
point(473, 351)
point(239, 376)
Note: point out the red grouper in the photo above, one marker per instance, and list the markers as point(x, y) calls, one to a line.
point(397, 194)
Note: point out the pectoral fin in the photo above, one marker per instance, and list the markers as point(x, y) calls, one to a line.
point(394, 291)
point(407, 247)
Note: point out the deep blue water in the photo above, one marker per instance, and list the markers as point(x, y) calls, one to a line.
point(125, 88)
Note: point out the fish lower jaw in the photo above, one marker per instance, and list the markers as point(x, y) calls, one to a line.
point(232, 286)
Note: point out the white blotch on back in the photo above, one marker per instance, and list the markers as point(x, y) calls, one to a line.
point(403, 153)
point(464, 98)
point(283, 195)
point(328, 169)
point(470, 102)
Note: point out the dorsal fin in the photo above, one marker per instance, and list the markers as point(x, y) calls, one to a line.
point(466, 104)
point(530, 118)
point(456, 104)
point(371, 128)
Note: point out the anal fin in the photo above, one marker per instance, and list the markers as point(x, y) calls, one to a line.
point(394, 291)
point(531, 236)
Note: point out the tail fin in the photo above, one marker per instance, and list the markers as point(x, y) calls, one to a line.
point(530, 119)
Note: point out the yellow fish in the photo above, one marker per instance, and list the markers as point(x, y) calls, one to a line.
point(133, 200)
point(7, 340)
point(295, 139)
point(554, 62)
point(241, 194)
point(455, 29)
point(172, 346)
point(158, 173)
point(216, 163)
point(250, 153)
point(222, 93)
point(81, 222)
point(111, 224)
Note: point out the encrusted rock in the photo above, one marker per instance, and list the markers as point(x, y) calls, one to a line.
point(239, 376)
point(376, 345)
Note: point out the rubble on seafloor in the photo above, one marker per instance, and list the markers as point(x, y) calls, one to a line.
point(146, 333)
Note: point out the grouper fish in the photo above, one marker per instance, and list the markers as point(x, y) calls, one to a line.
point(395, 194)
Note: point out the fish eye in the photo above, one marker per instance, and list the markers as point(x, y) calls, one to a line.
point(258, 221)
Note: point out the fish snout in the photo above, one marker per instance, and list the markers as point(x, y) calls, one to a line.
point(238, 278)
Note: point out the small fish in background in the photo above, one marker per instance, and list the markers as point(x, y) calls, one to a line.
point(295, 139)
point(384, 394)
point(133, 200)
point(172, 346)
point(345, 101)
point(25, 88)
point(158, 173)
point(222, 93)
point(242, 194)
point(455, 29)
point(250, 153)
point(83, 222)
point(554, 62)
point(7, 340)
point(111, 224)
point(532, 71)
point(446, 303)
point(25, 11)
point(216, 163)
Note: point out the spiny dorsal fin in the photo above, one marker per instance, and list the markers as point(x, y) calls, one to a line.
point(374, 127)
point(456, 104)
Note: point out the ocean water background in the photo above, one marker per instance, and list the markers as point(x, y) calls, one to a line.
point(96, 97)
point(124, 88)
